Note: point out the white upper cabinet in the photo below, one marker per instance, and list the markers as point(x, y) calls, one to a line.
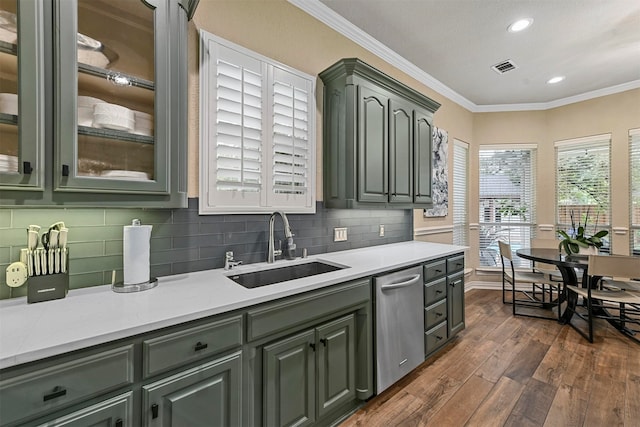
point(257, 132)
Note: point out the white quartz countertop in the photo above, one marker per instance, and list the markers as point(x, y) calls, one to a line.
point(97, 315)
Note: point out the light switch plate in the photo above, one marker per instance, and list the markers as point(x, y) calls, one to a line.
point(381, 230)
point(340, 234)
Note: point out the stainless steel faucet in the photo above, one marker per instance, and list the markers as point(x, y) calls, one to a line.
point(290, 247)
point(229, 262)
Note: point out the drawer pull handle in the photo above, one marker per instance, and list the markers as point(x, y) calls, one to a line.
point(56, 392)
point(438, 271)
point(154, 411)
point(438, 291)
point(199, 346)
point(119, 422)
point(438, 337)
point(438, 314)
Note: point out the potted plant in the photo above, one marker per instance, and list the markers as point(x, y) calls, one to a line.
point(575, 240)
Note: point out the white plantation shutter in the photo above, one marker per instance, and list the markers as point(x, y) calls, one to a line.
point(257, 132)
point(634, 176)
point(460, 193)
point(290, 139)
point(238, 136)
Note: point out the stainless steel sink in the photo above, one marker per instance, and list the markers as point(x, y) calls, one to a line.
point(256, 279)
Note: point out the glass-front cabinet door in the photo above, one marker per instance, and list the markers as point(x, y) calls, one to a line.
point(21, 95)
point(112, 96)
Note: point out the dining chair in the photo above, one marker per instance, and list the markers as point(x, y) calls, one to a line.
point(529, 289)
point(549, 269)
point(613, 294)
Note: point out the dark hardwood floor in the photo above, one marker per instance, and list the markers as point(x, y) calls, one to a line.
point(515, 371)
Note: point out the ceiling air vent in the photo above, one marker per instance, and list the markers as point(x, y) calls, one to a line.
point(504, 66)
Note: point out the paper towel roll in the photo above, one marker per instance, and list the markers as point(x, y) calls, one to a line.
point(136, 247)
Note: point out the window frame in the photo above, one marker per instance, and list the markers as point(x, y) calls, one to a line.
point(495, 230)
point(460, 184)
point(634, 204)
point(267, 197)
point(574, 146)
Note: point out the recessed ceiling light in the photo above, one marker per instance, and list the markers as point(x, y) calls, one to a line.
point(520, 25)
point(556, 79)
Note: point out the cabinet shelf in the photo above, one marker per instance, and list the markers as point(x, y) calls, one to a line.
point(8, 119)
point(112, 134)
point(101, 72)
point(9, 48)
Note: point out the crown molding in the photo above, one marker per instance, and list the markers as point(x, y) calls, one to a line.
point(333, 20)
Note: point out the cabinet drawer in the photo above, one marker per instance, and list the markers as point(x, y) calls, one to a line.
point(455, 264)
point(280, 316)
point(435, 291)
point(435, 270)
point(435, 314)
point(182, 347)
point(63, 384)
point(435, 338)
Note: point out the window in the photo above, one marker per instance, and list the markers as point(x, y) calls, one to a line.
point(460, 193)
point(634, 185)
point(257, 132)
point(507, 199)
point(582, 184)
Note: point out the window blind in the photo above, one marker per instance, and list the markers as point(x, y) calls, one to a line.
point(634, 185)
point(238, 128)
point(460, 193)
point(582, 183)
point(507, 199)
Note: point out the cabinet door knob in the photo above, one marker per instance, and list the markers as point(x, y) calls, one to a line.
point(199, 346)
point(26, 168)
point(154, 411)
point(56, 392)
point(323, 341)
point(313, 346)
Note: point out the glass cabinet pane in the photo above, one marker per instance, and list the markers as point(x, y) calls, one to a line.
point(116, 90)
point(9, 136)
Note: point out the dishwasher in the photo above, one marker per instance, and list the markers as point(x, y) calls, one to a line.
point(399, 325)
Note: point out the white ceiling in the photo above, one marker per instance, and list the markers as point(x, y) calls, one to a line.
point(451, 45)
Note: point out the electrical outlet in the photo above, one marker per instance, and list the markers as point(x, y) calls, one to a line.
point(381, 230)
point(340, 234)
point(16, 274)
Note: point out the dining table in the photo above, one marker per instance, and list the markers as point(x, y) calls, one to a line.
point(568, 265)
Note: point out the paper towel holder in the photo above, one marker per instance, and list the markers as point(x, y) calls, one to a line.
point(122, 288)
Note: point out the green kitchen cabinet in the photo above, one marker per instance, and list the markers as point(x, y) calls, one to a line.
point(206, 395)
point(310, 374)
point(22, 80)
point(455, 294)
point(105, 123)
point(443, 301)
point(377, 139)
point(289, 381)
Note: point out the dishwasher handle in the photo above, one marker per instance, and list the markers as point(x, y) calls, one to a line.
point(404, 284)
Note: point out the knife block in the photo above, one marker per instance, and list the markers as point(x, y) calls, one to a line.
point(46, 288)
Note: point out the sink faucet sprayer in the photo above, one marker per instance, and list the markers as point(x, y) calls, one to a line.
point(289, 248)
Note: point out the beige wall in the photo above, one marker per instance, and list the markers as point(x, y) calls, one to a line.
point(283, 32)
